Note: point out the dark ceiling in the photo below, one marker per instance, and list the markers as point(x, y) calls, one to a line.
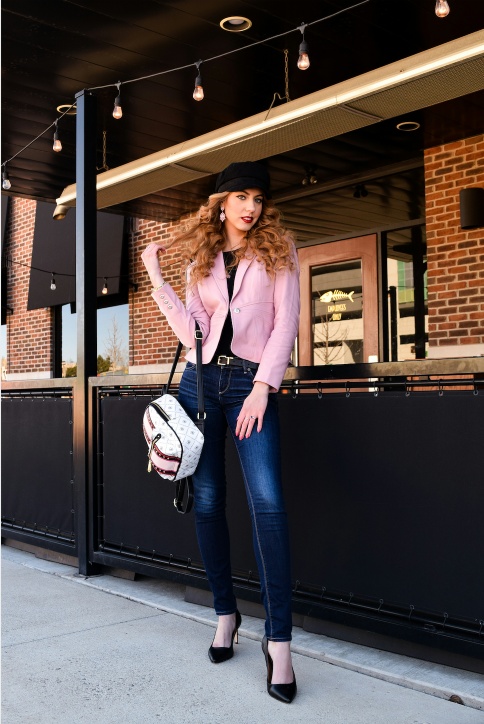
point(53, 49)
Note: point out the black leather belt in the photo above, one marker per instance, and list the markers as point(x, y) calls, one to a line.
point(224, 361)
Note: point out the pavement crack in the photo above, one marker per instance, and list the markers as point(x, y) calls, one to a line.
point(81, 630)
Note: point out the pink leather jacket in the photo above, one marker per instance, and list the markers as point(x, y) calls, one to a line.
point(265, 315)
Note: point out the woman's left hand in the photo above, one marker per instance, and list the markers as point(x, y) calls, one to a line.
point(252, 411)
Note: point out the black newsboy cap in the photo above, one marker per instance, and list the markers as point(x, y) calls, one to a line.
point(245, 175)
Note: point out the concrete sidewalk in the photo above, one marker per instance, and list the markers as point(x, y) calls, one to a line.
point(105, 650)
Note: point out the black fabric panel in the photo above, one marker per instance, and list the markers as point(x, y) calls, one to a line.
point(37, 463)
point(54, 251)
point(385, 496)
point(138, 506)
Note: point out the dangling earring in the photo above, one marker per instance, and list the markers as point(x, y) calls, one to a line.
point(222, 214)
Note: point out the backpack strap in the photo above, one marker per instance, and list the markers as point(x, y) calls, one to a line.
point(185, 484)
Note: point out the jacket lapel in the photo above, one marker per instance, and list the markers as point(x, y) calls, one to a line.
point(242, 267)
point(219, 276)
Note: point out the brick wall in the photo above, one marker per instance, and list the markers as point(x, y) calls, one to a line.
point(455, 257)
point(151, 340)
point(29, 334)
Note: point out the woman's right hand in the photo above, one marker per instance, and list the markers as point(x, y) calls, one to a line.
point(151, 261)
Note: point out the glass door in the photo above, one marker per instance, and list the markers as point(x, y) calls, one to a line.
point(339, 302)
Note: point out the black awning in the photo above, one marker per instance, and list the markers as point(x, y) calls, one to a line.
point(54, 256)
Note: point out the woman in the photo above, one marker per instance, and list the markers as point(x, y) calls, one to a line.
point(243, 291)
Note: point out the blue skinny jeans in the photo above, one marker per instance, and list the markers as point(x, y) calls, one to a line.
point(225, 389)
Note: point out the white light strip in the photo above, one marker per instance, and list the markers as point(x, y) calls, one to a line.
point(471, 46)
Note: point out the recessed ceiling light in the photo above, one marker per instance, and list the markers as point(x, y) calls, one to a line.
point(235, 24)
point(68, 109)
point(408, 126)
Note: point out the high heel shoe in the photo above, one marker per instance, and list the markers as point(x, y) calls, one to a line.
point(281, 692)
point(219, 654)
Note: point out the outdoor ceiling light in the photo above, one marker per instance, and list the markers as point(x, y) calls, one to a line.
point(408, 126)
point(67, 109)
point(118, 111)
point(57, 142)
point(235, 24)
point(442, 8)
point(5, 180)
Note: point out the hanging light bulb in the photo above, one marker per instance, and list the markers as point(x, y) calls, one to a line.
point(442, 8)
point(105, 287)
point(52, 283)
point(118, 111)
point(5, 180)
point(57, 144)
point(198, 93)
point(303, 60)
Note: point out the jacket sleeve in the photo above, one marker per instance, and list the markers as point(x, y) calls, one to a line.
point(277, 352)
point(182, 318)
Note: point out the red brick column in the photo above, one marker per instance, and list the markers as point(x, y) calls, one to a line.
point(29, 334)
point(455, 257)
point(152, 342)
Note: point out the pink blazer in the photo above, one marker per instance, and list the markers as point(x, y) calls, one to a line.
point(265, 315)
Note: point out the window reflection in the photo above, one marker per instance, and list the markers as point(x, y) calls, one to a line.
point(337, 313)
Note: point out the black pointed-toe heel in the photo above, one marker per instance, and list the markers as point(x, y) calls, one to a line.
point(281, 692)
point(219, 654)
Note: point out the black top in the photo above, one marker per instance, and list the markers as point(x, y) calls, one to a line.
point(223, 347)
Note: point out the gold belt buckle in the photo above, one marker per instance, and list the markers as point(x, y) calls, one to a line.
point(224, 360)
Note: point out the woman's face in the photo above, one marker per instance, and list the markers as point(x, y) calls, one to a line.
point(242, 209)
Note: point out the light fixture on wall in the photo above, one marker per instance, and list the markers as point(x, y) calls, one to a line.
point(117, 110)
point(60, 212)
point(57, 147)
point(442, 8)
point(198, 93)
point(104, 290)
point(472, 208)
point(303, 60)
point(360, 192)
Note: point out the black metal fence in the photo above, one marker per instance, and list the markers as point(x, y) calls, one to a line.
point(383, 478)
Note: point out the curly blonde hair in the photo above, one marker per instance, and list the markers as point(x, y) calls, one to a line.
point(270, 242)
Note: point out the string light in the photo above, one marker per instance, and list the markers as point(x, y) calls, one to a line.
point(57, 144)
point(303, 60)
point(442, 8)
point(118, 111)
point(8, 261)
point(52, 283)
point(198, 92)
point(104, 290)
point(5, 180)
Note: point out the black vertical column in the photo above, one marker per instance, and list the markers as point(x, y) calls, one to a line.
point(384, 335)
point(392, 293)
point(419, 268)
point(86, 308)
